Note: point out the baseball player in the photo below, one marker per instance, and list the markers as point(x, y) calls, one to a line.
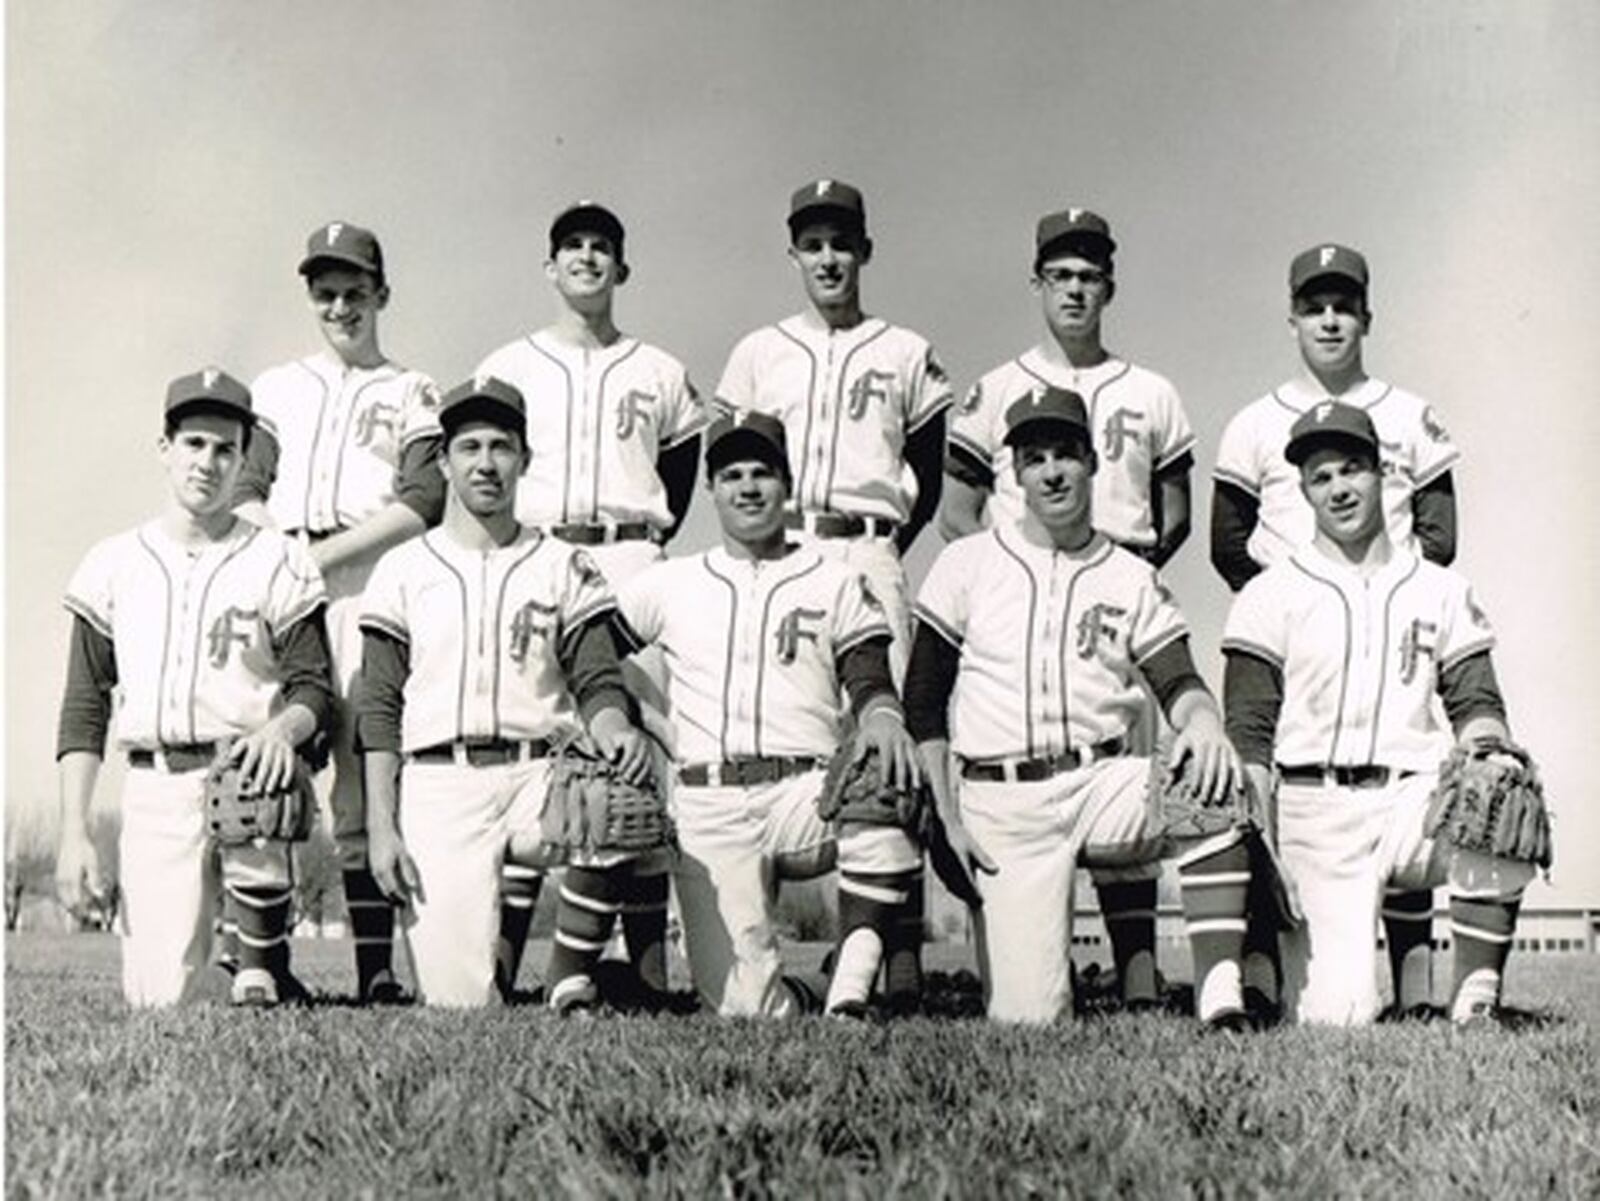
point(486, 644)
point(760, 635)
point(1145, 450)
point(344, 461)
point(1259, 514)
point(200, 630)
point(1333, 657)
point(614, 434)
point(1035, 642)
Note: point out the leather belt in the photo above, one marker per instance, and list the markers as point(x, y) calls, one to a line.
point(490, 753)
point(1028, 771)
point(189, 756)
point(735, 773)
point(582, 534)
point(841, 525)
point(1317, 775)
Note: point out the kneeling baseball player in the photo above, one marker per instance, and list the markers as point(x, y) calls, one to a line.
point(488, 647)
point(761, 638)
point(1031, 641)
point(205, 633)
point(1333, 656)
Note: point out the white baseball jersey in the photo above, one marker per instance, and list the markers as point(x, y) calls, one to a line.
point(195, 628)
point(597, 420)
point(1360, 657)
point(482, 630)
point(848, 400)
point(340, 432)
point(751, 648)
point(1416, 451)
point(1139, 426)
point(1051, 641)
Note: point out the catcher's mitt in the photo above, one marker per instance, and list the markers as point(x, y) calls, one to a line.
point(852, 792)
point(590, 808)
point(1489, 799)
point(236, 817)
point(1177, 811)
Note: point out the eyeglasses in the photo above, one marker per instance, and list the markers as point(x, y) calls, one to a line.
point(1060, 278)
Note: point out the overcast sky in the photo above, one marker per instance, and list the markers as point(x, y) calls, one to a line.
point(165, 163)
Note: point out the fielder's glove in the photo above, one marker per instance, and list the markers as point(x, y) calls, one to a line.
point(853, 792)
point(591, 808)
point(236, 817)
point(1489, 799)
point(1178, 812)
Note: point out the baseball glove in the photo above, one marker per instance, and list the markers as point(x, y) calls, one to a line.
point(853, 793)
point(1489, 799)
point(236, 817)
point(590, 808)
point(1177, 811)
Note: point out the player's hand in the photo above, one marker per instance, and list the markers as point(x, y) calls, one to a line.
point(624, 745)
point(392, 865)
point(1203, 756)
point(80, 885)
point(883, 730)
point(957, 858)
point(265, 759)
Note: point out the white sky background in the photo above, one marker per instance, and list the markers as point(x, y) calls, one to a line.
point(165, 163)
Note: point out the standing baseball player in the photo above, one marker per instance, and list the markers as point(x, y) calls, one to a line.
point(761, 636)
point(1145, 451)
point(487, 644)
point(1035, 643)
point(344, 460)
point(614, 434)
point(1259, 514)
point(204, 633)
point(1334, 655)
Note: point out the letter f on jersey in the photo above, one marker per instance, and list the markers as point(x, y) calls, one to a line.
point(231, 626)
point(796, 624)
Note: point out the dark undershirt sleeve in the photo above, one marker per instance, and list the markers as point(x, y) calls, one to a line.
point(679, 467)
point(1234, 513)
point(1252, 692)
point(930, 679)
point(924, 453)
point(589, 662)
point(960, 463)
point(418, 482)
point(864, 674)
point(1170, 673)
point(1433, 519)
point(380, 691)
point(1168, 543)
point(1469, 689)
point(86, 700)
point(260, 470)
point(306, 667)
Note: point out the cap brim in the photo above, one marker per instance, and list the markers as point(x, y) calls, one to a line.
point(812, 213)
point(482, 408)
point(210, 404)
point(308, 265)
point(590, 218)
point(1036, 426)
point(739, 445)
point(1098, 245)
point(1302, 448)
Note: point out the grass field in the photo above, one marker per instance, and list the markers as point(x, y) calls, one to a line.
point(334, 1101)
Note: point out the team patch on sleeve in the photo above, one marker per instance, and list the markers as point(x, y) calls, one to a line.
point(1432, 426)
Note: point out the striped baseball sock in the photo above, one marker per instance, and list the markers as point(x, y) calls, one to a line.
point(591, 899)
point(228, 942)
point(1483, 928)
point(644, 925)
point(1407, 928)
point(519, 895)
point(261, 916)
point(371, 925)
point(902, 948)
point(1215, 881)
point(870, 906)
point(1128, 908)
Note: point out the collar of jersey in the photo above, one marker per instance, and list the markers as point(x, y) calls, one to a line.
point(1037, 361)
point(808, 325)
point(1299, 394)
point(1028, 530)
point(330, 366)
point(1314, 562)
point(798, 558)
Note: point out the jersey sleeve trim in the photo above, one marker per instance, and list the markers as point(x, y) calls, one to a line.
point(382, 625)
point(1440, 469)
point(1224, 475)
point(1182, 450)
point(1159, 643)
point(1243, 646)
point(937, 624)
point(1477, 647)
point(601, 609)
point(961, 442)
point(933, 410)
point(864, 634)
point(83, 609)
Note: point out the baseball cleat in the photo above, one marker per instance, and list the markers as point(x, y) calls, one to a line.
point(574, 995)
point(384, 989)
point(254, 988)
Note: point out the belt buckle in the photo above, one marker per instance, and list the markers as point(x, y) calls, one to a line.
point(714, 775)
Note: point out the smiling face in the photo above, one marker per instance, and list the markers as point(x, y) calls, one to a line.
point(585, 269)
point(1329, 323)
point(1055, 468)
point(482, 463)
point(1073, 292)
point(749, 495)
point(203, 456)
point(829, 254)
point(1342, 483)
point(347, 301)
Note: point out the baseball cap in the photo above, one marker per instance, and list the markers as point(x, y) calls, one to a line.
point(1330, 421)
point(483, 398)
point(589, 216)
point(341, 242)
point(830, 196)
point(1073, 228)
point(1328, 259)
point(210, 389)
point(746, 435)
point(1047, 406)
